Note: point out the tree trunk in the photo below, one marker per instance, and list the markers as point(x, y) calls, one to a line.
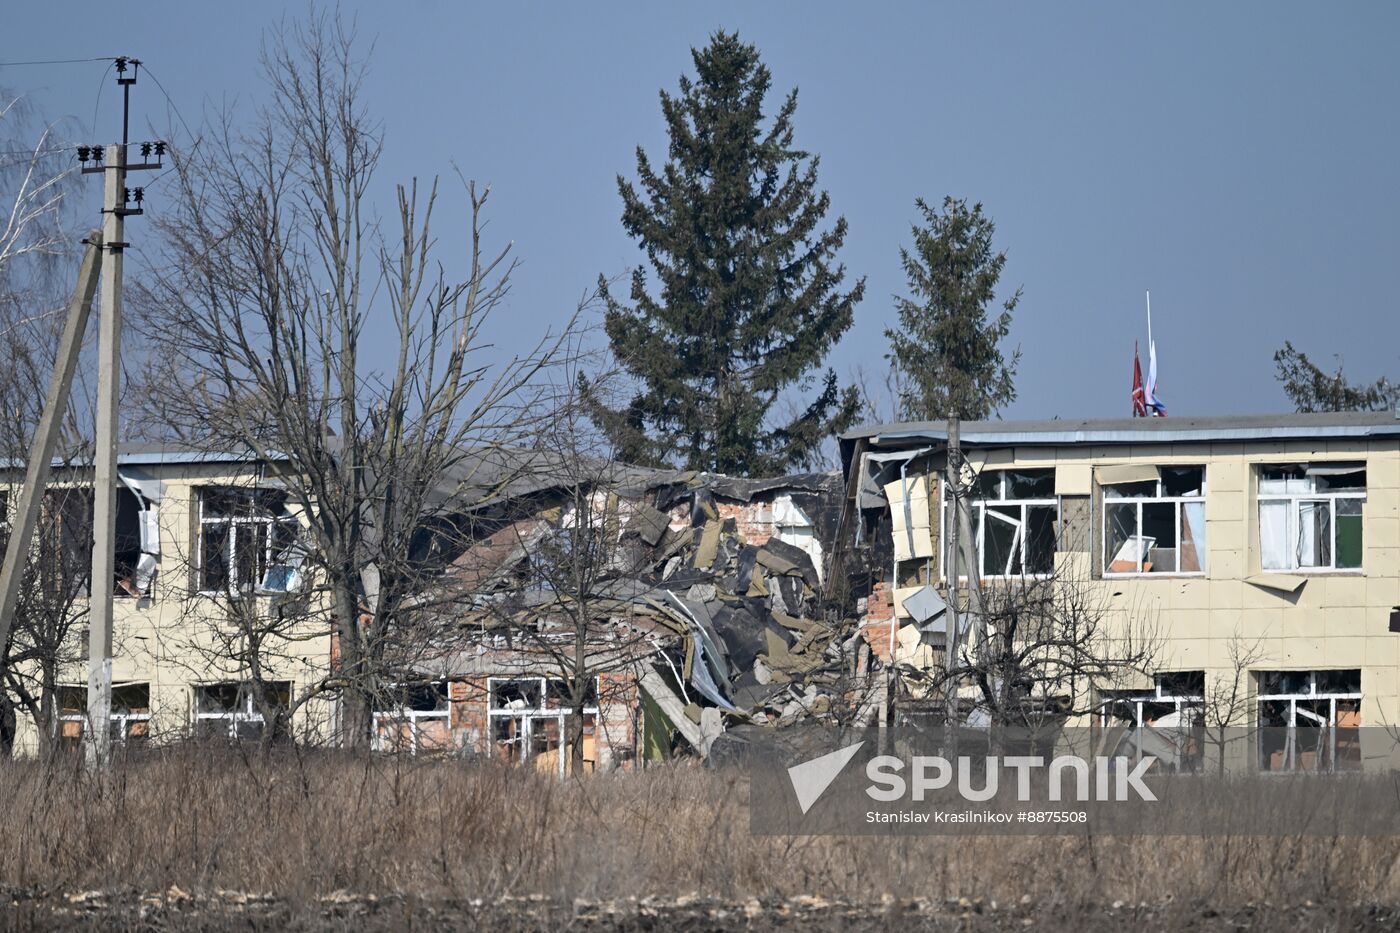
point(46, 722)
point(576, 763)
point(7, 727)
point(356, 715)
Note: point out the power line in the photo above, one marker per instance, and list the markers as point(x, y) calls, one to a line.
point(59, 61)
point(101, 83)
point(169, 100)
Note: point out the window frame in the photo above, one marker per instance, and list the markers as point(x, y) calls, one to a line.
point(530, 716)
point(122, 720)
point(1294, 503)
point(401, 714)
point(230, 523)
point(1327, 730)
point(979, 507)
point(246, 710)
point(1160, 498)
point(1158, 694)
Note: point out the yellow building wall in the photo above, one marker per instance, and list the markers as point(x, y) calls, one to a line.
point(175, 638)
point(1337, 619)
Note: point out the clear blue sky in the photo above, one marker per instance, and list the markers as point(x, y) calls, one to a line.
point(1240, 160)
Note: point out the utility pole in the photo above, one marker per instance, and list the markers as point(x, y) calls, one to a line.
point(951, 640)
point(41, 448)
point(104, 488)
point(115, 209)
point(962, 547)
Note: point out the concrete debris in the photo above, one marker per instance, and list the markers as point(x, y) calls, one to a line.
point(724, 574)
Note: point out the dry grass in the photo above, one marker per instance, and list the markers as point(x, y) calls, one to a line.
point(300, 826)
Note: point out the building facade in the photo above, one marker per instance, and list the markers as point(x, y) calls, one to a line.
point(1265, 550)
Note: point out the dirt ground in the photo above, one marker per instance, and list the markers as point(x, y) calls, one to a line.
point(179, 910)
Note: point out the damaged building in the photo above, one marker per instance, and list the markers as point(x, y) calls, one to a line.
point(647, 613)
point(705, 603)
point(1265, 552)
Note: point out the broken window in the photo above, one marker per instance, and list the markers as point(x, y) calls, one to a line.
point(1310, 720)
point(529, 715)
point(246, 539)
point(229, 710)
point(64, 542)
point(129, 725)
point(1166, 722)
point(1014, 513)
point(133, 577)
point(1156, 526)
point(413, 717)
point(1310, 516)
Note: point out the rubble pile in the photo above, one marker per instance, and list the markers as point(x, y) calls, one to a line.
point(719, 579)
point(761, 642)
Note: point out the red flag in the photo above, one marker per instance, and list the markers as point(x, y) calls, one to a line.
point(1139, 396)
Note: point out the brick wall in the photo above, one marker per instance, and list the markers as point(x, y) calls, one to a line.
point(753, 521)
point(467, 714)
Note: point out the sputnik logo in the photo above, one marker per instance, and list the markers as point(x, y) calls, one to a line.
point(810, 779)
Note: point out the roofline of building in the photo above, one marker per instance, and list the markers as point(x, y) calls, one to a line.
point(146, 458)
point(1137, 430)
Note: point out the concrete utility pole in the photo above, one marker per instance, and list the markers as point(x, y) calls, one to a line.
point(41, 448)
point(116, 208)
point(104, 488)
point(962, 544)
point(950, 547)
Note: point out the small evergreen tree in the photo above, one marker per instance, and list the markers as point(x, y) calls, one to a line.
point(748, 299)
point(947, 352)
point(1311, 389)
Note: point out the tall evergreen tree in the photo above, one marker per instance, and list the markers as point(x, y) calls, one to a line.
point(1309, 388)
point(748, 299)
point(947, 352)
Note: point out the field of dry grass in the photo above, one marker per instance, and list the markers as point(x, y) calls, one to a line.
point(309, 832)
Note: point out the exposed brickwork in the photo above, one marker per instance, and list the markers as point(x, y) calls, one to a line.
point(878, 635)
point(468, 704)
point(753, 521)
point(617, 719)
point(615, 731)
point(880, 606)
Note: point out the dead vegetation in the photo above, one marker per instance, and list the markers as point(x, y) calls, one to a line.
point(316, 832)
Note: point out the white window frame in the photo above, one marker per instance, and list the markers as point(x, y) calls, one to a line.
point(123, 719)
point(979, 521)
point(402, 714)
point(529, 717)
point(1327, 731)
point(1159, 499)
point(1183, 703)
point(246, 711)
point(230, 524)
point(1294, 502)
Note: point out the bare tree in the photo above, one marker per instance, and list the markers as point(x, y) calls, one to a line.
point(278, 289)
point(37, 174)
point(1225, 712)
point(37, 181)
point(1050, 640)
point(576, 603)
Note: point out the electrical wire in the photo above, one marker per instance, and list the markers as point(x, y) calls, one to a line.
point(169, 100)
point(101, 84)
point(60, 61)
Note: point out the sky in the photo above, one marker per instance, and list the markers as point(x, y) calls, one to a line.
point(1239, 160)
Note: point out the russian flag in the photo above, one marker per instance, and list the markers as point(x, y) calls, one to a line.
point(1151, 399)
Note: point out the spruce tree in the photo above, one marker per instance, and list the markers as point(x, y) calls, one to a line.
point(946, 351)
point(1309, 388)
point(747, 299)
